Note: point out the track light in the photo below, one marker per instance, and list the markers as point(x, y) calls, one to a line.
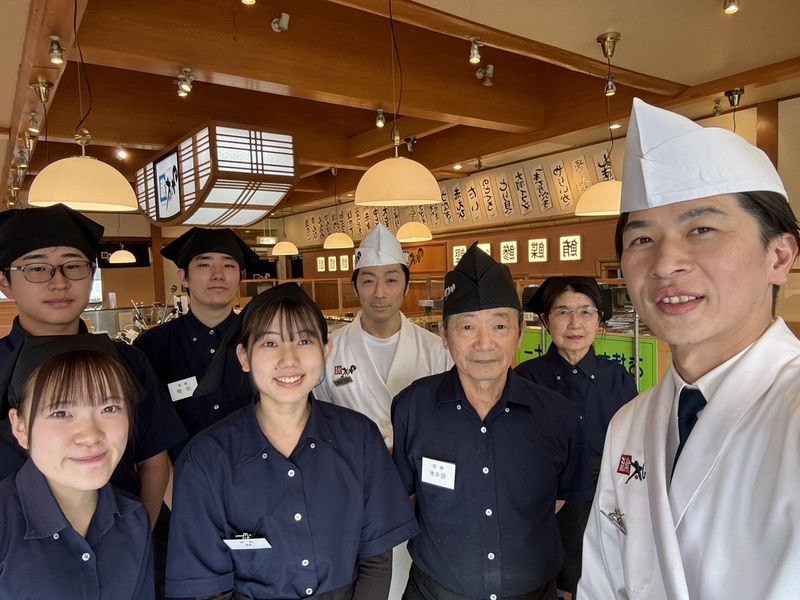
point(614, 126)
point(56, 51)
point(22, 159)
point(33, 123)
point(474, 50)
point(121, 151)
point(184, 82)
point(730, 6)
point(410, 143)
point(486, 74)
point(608, 42)
point(42, 90)
point(457, 167)
point(717, 107)
point(280, 24)
point(611, 87)
point(734, 96)
point(380, 120)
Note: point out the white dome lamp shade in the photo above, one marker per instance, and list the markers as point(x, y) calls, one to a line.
point(121, 257)
point(414, 231)
point(285, 248)
point(338, 240)
point(600, 200)
point(397, 181)
point(85, 184)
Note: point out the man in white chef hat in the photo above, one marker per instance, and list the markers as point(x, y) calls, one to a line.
point(706, 237)
point(381, 352)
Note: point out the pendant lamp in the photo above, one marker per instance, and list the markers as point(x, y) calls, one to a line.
point(414, 231)
point(338, 239)
point(121, 257)
point(284, 247)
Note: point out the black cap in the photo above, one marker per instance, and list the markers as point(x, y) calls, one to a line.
point(478, 282)
point(32, 228)
point(34, 351)
point(213, 377)
point(557, 285)
point(198, 241)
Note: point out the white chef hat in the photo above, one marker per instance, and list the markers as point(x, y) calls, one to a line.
point(380, 248)
point(670, 159)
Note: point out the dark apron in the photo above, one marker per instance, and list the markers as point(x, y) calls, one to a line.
point(422, 587)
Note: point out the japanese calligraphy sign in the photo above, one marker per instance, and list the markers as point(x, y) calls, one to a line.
point(508, 252)
point(320, 264)
point(580, 173)
point(344, 262)
point(489, 200)
point(331, 263)
point(504, 193)
point(385, 218)
point(434, 210)
point(537, 250)
point(350, 221)
point(541, 190)
point(458, 202)
point(602, 165)
point(446, 208)
point(358, 223)
point(569, 247)
point(562, 190)
point(458, 252)
point(486, 247)
point(308, 229)
point(521, 189)
point(422, 216)
point(396, 217)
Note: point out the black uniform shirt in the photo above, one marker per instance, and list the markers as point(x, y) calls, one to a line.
point(494, 534)
point(182, 349)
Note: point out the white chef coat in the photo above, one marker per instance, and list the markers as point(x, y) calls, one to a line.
point(419, 353)
point(728, 524)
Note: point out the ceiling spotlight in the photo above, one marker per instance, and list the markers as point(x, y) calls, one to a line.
point(121, 151)
point(380, 120)
point(33, 123)
point(486, 74)
point(457, 167)
point(730, 6)
point(734, 96)
point(717, 107)
point(248, 2)
point(56, 51)
point(479, 165)
point(614, 126)
point(280, 23)
point(474, 50)
point(611, 87)
point(22, 159)
point(184, 82)
point(410, 143)
point(42, 90)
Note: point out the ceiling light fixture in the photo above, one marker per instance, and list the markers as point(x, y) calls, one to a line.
point(280, 24)
point(603, 198)
point(22, 159)
point(33, 123)
point(614, 126)
point(397, 181)
point(380, 120)
point(337, 239)
point(474, 50)
point(121, 152)
point(608, 42)
point(414, 231)
point(284, 247)
point(56, 50)
point(184, 81)
point(248, 2)
point(734, 96)
point(730, 6)
point(42, 90)
point(486, 74)
point(457, 167)
point(121, 256)
point(717, 111)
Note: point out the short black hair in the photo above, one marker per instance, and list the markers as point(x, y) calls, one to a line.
point(405, 269)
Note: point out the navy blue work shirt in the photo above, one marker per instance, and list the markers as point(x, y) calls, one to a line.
point(182, 349)
point(42, 556)
point(494, 535)
point(597, 386)
point(156, 424)
point(336, 499)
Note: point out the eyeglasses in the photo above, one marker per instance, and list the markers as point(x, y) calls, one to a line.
point(44, 272)
point(583, 313)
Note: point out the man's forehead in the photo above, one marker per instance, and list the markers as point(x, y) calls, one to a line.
point(681, 212)
point(211, 256)
point(53, 252)
point(501, 312)
point(379, 270)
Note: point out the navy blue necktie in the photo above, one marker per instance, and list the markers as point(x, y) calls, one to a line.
point(690, 403)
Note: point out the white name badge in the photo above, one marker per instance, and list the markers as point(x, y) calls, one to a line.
point(438, 472)
point(247, 544)
point(183, 388)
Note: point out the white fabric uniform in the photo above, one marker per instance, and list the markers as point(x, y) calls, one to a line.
point(728, 525)
point(419, 353)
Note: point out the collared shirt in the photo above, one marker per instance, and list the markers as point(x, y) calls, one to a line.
point(181, 350)
point(494, 535)
point(156, 428)
point(597, 386)
point(42, 556)
point(337, 498)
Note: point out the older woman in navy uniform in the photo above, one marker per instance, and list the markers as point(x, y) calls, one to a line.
point(486, 453)
point(288, 497)
point(571, 309)
point(210, 262)
point(66, 532)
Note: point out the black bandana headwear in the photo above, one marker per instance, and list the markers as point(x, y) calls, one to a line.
point(198, 241)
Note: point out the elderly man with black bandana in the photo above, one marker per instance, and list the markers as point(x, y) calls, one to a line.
point(485, 453)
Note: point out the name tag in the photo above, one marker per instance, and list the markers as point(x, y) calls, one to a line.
point(343, 380)
point(183, 388)
point(247, 544)
point(438, 472)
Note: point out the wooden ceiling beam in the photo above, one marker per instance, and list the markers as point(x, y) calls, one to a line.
point(378, 140)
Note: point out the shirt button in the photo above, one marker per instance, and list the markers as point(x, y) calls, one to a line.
point(493, 597)
point(291, 473)
point(313, 445)
point(490, 556)
point(508, 409)
point(210, 332)
point(194, 339)
point(488, 512)
point(558, 377)
point(483, 429)
point(485, 470)
point(309, 591)
point(212, 351)
point(304, 562)
point(264, 455)
point(592, 376)
point(85, 556)
point(216, 407)
point(297, 516)
point(458, 407)
point(55, 536)
point(574, 371)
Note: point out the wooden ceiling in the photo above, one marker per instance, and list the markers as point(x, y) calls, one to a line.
point(322, 81)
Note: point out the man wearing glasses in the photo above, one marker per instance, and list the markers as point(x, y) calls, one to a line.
point(46, 266)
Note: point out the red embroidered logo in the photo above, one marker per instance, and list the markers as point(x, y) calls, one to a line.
point(624, 467)
point(337, 370)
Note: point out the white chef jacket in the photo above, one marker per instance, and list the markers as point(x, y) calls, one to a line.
point(727, 526)
point(419, 353)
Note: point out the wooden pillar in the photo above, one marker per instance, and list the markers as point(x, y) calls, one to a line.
point(158, 264)
point(767, 129)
